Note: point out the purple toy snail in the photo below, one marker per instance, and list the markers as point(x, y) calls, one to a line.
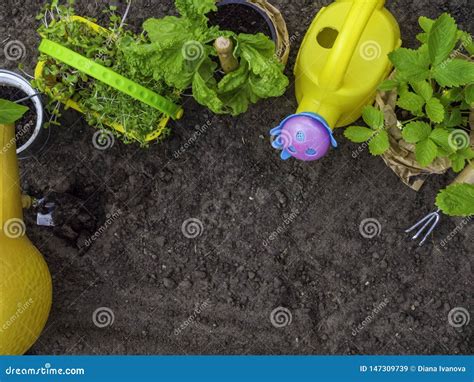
point(304, 136)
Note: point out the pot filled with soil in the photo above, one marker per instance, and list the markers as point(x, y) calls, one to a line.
point(31, 138)
point(251, 17)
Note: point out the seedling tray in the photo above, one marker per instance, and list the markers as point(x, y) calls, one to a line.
point(110, 78)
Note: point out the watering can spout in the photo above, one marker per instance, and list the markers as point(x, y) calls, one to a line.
point(10, 195)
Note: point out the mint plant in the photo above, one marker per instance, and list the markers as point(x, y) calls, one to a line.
point(435, 86)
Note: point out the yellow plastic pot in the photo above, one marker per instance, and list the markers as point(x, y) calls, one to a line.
point(25, 281)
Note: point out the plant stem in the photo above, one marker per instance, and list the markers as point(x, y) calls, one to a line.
point(225, 50)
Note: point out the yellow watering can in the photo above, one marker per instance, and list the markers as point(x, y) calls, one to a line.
point(342, 60)
point(25, 281)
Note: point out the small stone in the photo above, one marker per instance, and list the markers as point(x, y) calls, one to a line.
point(160, 240)
point(185, 284)
point(383, 264)
point(277, 282)
point(200, 274)
point(169, 283)
point(281, 198)
point(251, 275)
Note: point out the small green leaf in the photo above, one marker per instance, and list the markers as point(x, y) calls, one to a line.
point(411, 102)
point(422, 37)
point(373, 117)
point(442, 153)
point(441, 137)
point(457, 200)
point(467, 153)
point(467, 42)
point(388, 85)
point(435, 110)
point(10, 112)
point(412, 64)
point(426, 152)
point(379, 143)
point(454, 72)
point(358, 134)
point(423, 88)
point(415, 132)
point(425, 23)
point(458, 162)
point(442, 38)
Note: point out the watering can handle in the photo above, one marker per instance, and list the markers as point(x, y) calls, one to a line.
point(346, 43)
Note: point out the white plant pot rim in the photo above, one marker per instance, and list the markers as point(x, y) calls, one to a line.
point(12, 79)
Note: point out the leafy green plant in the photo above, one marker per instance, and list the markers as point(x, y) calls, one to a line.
point(10, 112)
point(181, 54)
point(435, 87)
point(101, 104)
point(457, 200)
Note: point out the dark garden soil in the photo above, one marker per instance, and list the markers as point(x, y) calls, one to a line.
point(240, 19)
point(270, 233)
point(25, 127)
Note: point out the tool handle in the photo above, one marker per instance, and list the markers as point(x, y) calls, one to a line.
point(346, 43)
point(109, 77)
point(11, 212)
point(466, 176)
